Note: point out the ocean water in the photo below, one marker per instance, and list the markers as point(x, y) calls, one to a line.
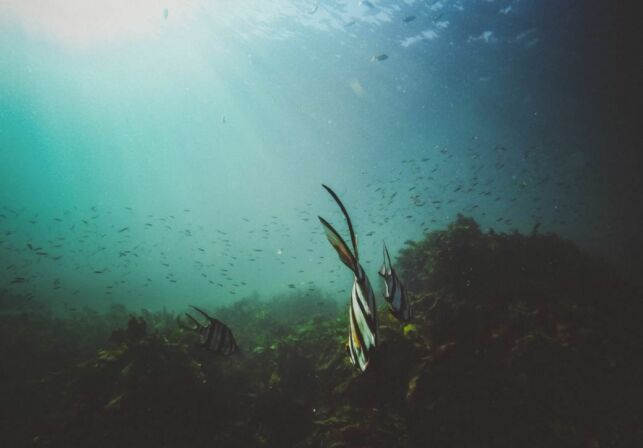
point(167, 152)
point(157, 154)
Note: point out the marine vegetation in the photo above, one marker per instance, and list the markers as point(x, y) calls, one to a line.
point(515, 340)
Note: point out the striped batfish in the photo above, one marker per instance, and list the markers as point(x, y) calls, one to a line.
point(362, 312)
point(215, 336)
point(395, 292)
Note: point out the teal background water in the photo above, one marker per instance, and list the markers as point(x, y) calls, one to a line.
point(165, 161)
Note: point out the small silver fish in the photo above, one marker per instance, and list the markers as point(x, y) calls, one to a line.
point(379, 57)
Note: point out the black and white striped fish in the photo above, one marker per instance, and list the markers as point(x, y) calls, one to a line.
point(395, 292)
point(362, 317)
point(215, 336)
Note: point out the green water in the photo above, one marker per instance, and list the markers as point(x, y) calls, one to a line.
point(157, 154)
point(207, 131)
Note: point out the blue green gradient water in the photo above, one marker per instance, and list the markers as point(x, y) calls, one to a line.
point(207, 135)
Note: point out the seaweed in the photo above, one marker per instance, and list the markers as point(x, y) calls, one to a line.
point(517, 340)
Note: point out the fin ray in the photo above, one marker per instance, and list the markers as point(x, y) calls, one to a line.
point(340, 245)
point(348, 219)
point(388, 257)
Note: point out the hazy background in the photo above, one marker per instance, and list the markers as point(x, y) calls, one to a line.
point(159, 153)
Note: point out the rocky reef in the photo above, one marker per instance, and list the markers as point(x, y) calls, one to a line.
point(517, 340)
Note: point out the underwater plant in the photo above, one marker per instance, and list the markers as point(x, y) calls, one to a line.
point(517, 340)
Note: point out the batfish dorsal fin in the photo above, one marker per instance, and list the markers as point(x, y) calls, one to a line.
point(339, 244)
point(348, 219)
point(202, 312)
point(196, 323)
point(186, 327)
point(388, 257)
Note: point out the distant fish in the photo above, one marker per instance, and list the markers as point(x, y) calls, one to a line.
point(408, 19)
point(366, 3)
point(379, 57)
point(395, 292)
point(215, 336)
point(313, 10)
point(362, 316)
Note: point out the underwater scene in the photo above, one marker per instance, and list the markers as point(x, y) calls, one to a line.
point(320, 223)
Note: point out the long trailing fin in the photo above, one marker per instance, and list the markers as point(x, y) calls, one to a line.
point(382, 271)
point(196, 322)
point(388, 257)
point(202, 312)
point(184, 326)
point(348, 219)
point(339, 244)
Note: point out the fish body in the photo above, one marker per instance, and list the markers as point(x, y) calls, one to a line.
point(379, 58)
point(395, 292)
point(215, 336)
point(362, 318)
point(362, 311)
point(408, 19)
point(218, 338)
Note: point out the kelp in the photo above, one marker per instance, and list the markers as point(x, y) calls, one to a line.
point(517, 340)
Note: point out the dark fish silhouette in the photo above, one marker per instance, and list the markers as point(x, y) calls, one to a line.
point(379, 57)
point(215, 336)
